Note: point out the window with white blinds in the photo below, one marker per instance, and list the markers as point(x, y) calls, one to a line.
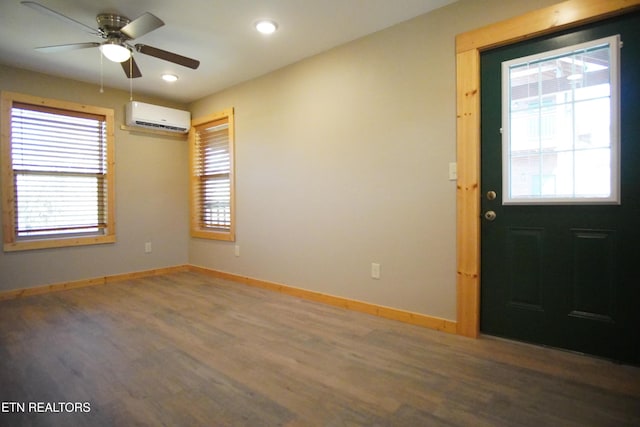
point(59, 167)
point(212, 207)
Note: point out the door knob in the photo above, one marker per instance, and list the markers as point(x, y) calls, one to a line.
point(489, 215)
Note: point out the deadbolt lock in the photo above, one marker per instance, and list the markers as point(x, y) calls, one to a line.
point(491, 195)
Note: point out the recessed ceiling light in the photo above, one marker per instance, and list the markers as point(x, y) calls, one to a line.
point(266, 26)
point(169, 77)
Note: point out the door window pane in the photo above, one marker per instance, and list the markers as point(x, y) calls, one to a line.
point(560, 125)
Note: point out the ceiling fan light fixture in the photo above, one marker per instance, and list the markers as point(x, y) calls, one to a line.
point(114, 51)
point(266, 26)
point(169, 77)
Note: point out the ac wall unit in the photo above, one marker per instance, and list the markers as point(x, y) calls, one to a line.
point(157, 117)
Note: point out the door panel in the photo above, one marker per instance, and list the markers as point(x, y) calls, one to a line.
point(564, 275)
point(524, 251)
point(594, 265)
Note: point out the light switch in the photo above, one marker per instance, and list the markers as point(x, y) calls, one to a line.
point(453, 171)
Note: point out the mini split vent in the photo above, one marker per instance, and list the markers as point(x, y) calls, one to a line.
point(156, 117)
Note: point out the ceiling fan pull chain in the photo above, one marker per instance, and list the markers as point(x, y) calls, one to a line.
point(101, 74)
point(131, 77)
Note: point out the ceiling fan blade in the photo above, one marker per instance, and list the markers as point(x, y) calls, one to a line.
point(141, 25)
point(131, 68)
point(168, 56)
point(66, 47)
point(37, 6)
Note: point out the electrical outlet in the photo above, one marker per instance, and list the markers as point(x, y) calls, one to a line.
point(375, 270)
point(147, 248)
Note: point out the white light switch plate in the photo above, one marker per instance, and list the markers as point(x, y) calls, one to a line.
point(453, 171)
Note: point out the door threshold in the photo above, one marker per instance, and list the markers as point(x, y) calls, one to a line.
point(552, 348)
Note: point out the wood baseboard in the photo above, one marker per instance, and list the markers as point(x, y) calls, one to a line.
point(360, 306)
point(19, 293)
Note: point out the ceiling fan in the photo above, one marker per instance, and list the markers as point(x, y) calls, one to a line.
point(117, 31)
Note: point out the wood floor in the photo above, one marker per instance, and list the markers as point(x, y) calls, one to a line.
point(187, 349)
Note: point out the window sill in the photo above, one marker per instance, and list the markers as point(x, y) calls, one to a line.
point(26, 245)
point(214, 235)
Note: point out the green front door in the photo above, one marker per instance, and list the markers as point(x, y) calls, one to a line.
point(560, 234)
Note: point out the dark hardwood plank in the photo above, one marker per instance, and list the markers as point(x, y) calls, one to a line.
point(188, 349)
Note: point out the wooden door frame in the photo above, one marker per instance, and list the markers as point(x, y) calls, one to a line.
point(469, 45)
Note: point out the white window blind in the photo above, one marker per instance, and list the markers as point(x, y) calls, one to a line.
point(59, 162)
point(213, 171)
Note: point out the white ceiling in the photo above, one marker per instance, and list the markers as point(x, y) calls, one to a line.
point(219, 33)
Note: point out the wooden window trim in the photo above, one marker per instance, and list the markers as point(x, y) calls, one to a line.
point(568, 14)
point(10, 242)
point(195, 229)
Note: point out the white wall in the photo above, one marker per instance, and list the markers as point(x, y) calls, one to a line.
point(151, 197)
point(342, 160)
